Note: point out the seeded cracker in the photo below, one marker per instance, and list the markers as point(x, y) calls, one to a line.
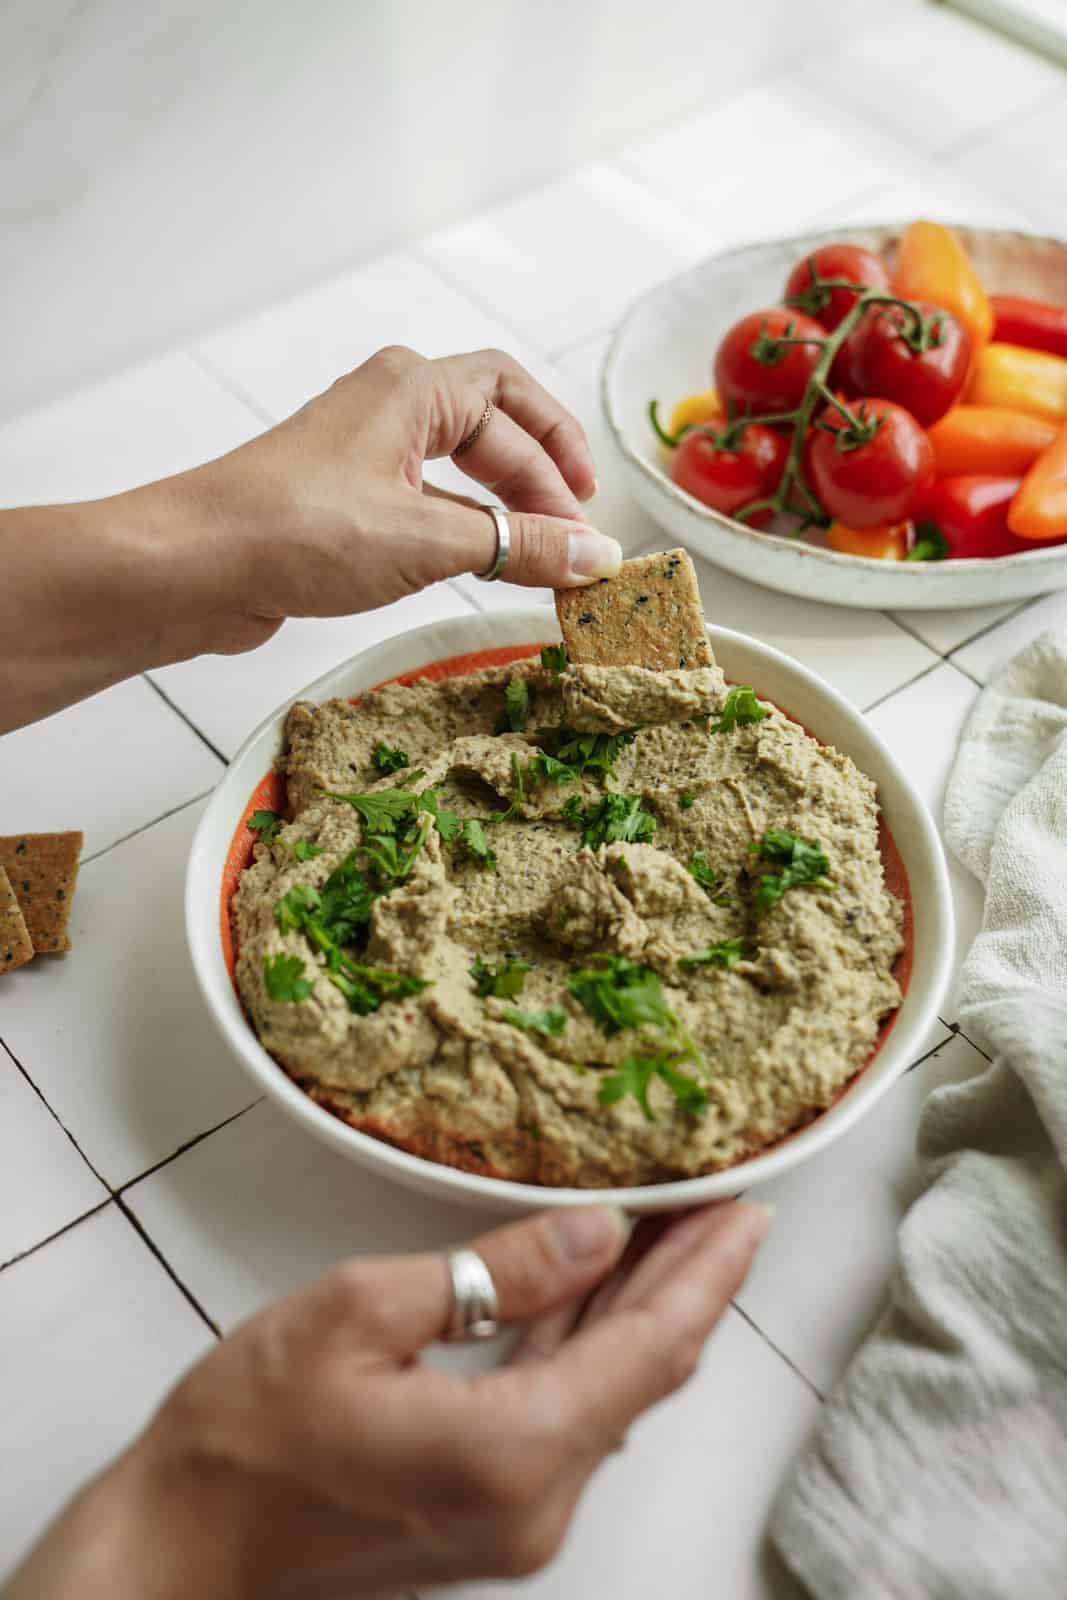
point(16, 946)
point(43, 869)
point(650, 615)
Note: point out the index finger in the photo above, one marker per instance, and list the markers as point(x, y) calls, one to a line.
point(509, 386)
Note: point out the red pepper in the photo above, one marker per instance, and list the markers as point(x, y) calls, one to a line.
point(1031, 323)
point(971, 514)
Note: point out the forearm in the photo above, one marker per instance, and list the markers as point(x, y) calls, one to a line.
point(92, 593)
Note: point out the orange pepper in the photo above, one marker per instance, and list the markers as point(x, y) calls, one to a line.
point(1039, 509)
point(879, 544)
point(704, 407)
point(1020, 380)
point(990, 441)
point(932, 265)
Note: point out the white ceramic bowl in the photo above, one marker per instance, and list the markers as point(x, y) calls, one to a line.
point(664, 350)
point(774, 675)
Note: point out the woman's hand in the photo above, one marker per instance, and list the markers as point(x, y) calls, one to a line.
point(312, 1454)
point(324, 515)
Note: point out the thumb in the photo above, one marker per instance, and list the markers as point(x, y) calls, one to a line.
point(536, 1265)
point(546, 552)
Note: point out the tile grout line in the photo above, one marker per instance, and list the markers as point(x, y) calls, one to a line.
point(54, 1114)
point(136, 832)
point(235, 390)
point(907, 684)
point(940, 1045)
point(139, 1228)
point(991, 627)
point(189, 723)
point(58, 1233)
point(183, 1148)
point(779, 1352)
point(463, 290)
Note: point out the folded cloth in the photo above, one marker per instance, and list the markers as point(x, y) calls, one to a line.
point(939, 1466)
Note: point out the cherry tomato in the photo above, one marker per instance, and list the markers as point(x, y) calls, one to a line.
point(869, 470)
point(759, 375)
point(971, 514)
point(881, 358)
point(730, 479)
point(831, 306)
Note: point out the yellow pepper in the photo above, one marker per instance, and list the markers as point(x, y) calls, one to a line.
point(1020, 380)
point(932, 265)
point(696, 408)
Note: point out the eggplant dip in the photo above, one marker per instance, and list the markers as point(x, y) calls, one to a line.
point(568, 924)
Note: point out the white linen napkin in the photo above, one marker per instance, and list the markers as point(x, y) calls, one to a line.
point(939, 1467)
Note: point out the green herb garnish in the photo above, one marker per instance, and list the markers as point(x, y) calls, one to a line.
point(740, 708)
point(304, 850)
point(268, 824)
point(386, 759)
point(505, 981)
point(383, 810)
point(345, 902)
point(549, 769)
point(330, 920)
point(727, 953)
point(619, 993)
point(554, 658)
point(284, 977)
point(446, 822)
point(633, 1074)
point(686, 800)
point(585, 752)
point(513, 717)
point(802, 861)
point(473, 840)
point(550, 1022)
point(617, 818)
point(698, 866)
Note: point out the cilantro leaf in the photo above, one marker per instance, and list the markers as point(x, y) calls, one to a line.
point(386, 759)
point(802, 861)
point(365, 988)
point(505, 981)
point(329, 921)
point(741, 707)
point(548, 768)
point(585, 752)
point(686, 799)
point(617, 818)
point(268, 824)
point(284, 977)
point(633, 1074)
point(446, 822)
point(516, 707)
point(346, 900)
point(382, 811)
point(620, 993)
point(472, 838)
point(519, 795)
point(727, 953)
point(554, 658)
point(550, 1022)
point(698, 866)
point(296, 905)
point(304, 850)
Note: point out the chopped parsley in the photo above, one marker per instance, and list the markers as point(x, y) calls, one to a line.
point(741, 708)
point(446, 822)
point(329, 921)
point(619, 993)
point(386, 759)
point(505, 981)
point(268, 824)
point(585, 752)
point(727, 953)
point(633, 1074)
point(284, 977)
point(519, 795)
point(382, 810)
point(345, 901)
point(549, 769)
point(801, 860)
point(550, 1022)
point(617, 818)
point(554, 658)
point(513, 717)
point(473, 840)
point(304, 850)
point(686, 799)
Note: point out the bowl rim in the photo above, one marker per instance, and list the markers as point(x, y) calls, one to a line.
point(203, 886)
point(942, 571)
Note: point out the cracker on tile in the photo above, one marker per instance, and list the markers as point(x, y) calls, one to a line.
point(16, 946)
point(649, 615)
point(43, 869)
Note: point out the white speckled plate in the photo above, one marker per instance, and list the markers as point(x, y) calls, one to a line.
point(664, 350)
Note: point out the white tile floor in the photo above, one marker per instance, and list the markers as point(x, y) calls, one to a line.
point(113, 1046)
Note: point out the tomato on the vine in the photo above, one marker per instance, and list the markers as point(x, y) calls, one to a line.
point(922, 366)
point(869, 463)
point(758, 370)
point(804, 288)
point(728, 478)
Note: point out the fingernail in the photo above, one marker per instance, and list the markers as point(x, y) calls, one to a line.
point(593, 555)
point(592, 1231)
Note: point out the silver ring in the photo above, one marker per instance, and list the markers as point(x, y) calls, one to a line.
point(474, 1302)
point(503, 545)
